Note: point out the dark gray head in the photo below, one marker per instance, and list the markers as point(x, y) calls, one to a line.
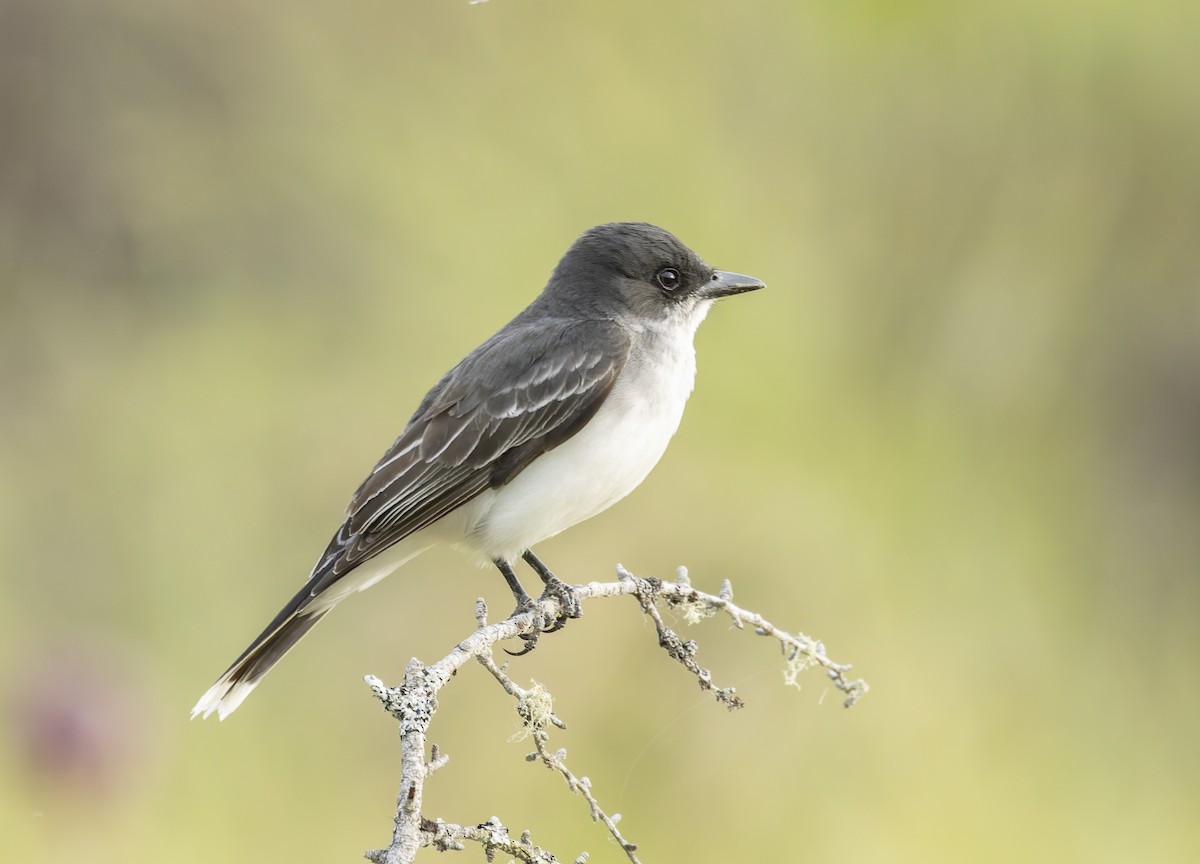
point(634, 269)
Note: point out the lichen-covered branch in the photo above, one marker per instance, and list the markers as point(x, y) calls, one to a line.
point(800, 651)
point(536, 709)
point(414, 703)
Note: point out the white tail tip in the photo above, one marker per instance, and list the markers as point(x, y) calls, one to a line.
point(223, 698)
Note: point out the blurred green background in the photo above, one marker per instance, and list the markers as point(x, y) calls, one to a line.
point(958, 438)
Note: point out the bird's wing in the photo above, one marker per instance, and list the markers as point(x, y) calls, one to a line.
point(523, 392)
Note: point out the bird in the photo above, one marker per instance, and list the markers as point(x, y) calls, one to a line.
point(560, 414)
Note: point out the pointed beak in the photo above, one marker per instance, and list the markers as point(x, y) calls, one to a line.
point(724, 284)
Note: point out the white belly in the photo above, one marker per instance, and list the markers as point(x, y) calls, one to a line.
point(598, 466)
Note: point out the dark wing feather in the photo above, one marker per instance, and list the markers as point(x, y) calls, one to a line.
point(523, 392)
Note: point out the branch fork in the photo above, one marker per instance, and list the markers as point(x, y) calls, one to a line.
point(414, 704)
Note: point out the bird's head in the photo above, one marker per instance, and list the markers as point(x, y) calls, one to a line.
point(640, 273)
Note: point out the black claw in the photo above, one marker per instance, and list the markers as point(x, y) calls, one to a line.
point(530, 640)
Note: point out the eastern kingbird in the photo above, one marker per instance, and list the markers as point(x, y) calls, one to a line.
point(556, 417)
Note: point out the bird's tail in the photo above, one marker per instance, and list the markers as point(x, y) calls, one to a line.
point(311, 603)
point(267, 650)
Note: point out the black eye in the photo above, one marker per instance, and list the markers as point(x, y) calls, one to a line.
point(668, 278)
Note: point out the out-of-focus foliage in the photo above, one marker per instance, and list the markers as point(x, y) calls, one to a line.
point(958, 438)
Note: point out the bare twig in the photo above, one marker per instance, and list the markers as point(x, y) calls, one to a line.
point(414, 703)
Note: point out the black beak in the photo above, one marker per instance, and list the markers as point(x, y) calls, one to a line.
point(725, 284)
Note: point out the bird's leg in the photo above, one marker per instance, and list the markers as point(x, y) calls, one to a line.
point(524, 604)
point(524, 601)
point(556, 588)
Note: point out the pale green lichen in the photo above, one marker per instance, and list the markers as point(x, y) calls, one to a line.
point(796, 664)
point(693, 610)
point(536, 707)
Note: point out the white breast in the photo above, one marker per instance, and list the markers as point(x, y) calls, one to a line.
point(603, 462)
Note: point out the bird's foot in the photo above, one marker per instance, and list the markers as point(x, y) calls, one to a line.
point(569, 606)
point(568, 602)
point(526, 604)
